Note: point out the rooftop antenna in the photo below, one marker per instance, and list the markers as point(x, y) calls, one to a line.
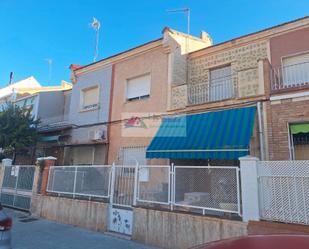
point(187, 12)
point(50, 65)
point(11, 78)
point(96, 26)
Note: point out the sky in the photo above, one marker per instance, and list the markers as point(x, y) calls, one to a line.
point(32, 31)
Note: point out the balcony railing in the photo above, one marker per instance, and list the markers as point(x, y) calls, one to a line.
point(216, 90)
point(290, 76)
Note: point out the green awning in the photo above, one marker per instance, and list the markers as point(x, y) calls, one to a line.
point(299, 128)
point(213, 135)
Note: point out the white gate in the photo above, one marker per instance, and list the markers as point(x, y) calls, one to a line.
point(122, 198)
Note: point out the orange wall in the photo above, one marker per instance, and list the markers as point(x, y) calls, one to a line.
point(154, 62)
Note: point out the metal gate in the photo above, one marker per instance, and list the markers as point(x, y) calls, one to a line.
point(17, 184)
point(123, 193)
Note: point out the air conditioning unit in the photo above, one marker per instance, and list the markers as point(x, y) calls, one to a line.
point(96, 135)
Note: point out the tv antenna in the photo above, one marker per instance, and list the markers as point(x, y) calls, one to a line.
point(187, 12)
point(50, 65)
point(96, 26)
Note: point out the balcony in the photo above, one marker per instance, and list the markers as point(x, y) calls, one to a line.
point(218, 89)
point(291, 76)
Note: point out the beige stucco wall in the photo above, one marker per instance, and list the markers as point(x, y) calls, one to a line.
point(244, 61)
point(155, 62)
point(87, 214)
point(177, 230)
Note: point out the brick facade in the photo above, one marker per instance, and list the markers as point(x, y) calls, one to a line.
point(280, 113)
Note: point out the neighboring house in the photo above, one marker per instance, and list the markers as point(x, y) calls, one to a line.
point(142, 79)
point(12, 91)
point(48, 104)
point(89, 114)
point(225, 101)
point(288, 109)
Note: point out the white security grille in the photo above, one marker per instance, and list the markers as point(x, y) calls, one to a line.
point(92, 181)
point(283, 191)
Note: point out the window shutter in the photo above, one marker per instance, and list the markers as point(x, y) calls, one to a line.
point(90, 97)
point(138, 87)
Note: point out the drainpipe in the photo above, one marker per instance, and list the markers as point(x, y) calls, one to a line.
point(258, 106)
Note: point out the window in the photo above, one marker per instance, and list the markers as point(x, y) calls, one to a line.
point(299, 141)
point(90, 98)
point(138, 88)
point(221, 85)
point(132, 156)
point(295, 69)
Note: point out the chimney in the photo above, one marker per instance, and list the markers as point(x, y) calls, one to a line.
point(206, 37)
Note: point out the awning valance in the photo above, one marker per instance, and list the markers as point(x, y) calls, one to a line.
point(299, 128)
point(213, 135)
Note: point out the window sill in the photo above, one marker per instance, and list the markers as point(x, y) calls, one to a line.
point(89, 109)
point(137, 100)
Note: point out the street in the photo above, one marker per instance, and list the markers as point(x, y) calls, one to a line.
point(30, 233)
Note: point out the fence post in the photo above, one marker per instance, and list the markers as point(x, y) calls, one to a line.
point(136, 174)
point(249, 188)
point(48, 162)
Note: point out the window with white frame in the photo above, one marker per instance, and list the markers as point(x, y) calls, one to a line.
point(221, 85)
point(295, 69)
point(138, 87)
point(90, 98)
point(299, 141)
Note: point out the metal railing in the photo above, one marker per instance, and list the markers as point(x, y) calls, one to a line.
point(206, 188)
point(210, 188)
point(290, 76)
point(283, 191)
point(214, 90)
point(89, 181)
point(123, 185)
point(17, 184)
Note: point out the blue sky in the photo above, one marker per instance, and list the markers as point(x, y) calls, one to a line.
point(33, 30)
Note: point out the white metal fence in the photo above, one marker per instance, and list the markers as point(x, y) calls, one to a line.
point(213, 188)
point(290, 76)
point(283, 191)
point(90, 181)
point(154, 184)
point(207, 188)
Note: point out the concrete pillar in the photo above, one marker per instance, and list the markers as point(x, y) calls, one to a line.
point(7, 162)
point(48, 162)
point(249, 188)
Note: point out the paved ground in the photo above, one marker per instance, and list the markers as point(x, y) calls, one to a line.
point(44, 234)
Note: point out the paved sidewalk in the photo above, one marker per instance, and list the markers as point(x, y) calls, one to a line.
point(44, 234)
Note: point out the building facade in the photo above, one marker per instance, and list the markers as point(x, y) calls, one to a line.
point(288, 112)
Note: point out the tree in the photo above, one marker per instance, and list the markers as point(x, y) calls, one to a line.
point(18, 130)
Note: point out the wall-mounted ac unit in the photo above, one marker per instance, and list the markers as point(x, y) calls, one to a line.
point(96, 135)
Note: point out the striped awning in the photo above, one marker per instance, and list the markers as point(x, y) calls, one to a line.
point(213, 135)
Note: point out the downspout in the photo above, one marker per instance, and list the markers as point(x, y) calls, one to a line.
point(258, 106)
